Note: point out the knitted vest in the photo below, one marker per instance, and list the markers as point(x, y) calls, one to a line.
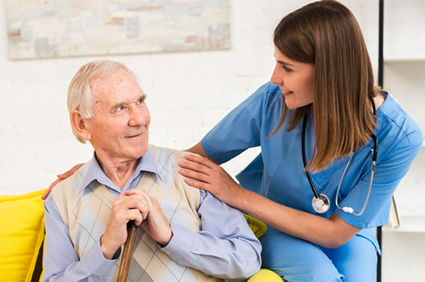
point(87, 212)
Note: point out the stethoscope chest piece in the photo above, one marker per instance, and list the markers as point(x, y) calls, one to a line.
point(320, 204)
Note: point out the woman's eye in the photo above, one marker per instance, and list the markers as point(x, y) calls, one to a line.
point(287, 69)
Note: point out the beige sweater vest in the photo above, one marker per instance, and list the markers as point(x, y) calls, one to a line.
point(87, 212)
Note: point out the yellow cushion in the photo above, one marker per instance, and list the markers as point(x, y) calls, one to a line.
point(265, 275)
point(257, 226)
point(21, 233)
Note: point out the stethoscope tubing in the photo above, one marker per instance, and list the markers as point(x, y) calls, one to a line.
point(310, 181)
point(322, 198)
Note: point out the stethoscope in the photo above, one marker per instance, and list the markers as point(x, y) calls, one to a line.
point(320, 202)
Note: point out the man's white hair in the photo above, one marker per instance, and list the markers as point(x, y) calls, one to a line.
point(80, 88)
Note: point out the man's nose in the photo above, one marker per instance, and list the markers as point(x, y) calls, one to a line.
point(137, 116)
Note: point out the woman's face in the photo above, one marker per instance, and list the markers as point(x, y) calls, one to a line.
point(295, 80)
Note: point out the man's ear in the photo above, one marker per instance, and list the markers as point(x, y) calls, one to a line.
point(79, 125)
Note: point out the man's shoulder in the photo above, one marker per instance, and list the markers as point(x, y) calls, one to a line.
point(71, 184)
point(166, 161)
point(164, 153)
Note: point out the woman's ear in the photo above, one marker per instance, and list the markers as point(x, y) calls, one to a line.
point(79, 125)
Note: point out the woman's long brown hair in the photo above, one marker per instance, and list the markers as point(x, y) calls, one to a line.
point(327, 35)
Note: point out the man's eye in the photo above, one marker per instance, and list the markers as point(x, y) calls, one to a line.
point(140, 102)
point(119, 109)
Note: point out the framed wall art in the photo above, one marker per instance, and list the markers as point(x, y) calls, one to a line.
point(66, 28)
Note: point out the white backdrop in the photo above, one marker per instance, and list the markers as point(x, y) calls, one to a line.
point(187, 93)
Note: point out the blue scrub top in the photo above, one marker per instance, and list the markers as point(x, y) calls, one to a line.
point(277, 172)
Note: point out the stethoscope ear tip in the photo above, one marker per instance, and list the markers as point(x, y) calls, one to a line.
point(348, 209)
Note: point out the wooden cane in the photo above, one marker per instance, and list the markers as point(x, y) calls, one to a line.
point(127, 252)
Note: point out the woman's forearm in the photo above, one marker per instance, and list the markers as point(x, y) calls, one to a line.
point(327, 232)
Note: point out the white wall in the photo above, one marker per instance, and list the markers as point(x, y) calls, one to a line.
point(187, 93)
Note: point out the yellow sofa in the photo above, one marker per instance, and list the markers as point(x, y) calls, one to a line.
point(22, 236)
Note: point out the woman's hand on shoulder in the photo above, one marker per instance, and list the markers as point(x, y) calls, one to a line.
point(61, 177)
point(202, 173)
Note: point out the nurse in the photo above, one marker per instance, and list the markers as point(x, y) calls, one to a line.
point(323, 80)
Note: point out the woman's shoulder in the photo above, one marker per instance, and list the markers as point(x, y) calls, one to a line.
point(392, 117)
point(265, 96)
point(268, 89)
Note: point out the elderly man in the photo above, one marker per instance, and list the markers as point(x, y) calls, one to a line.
point(186, 234)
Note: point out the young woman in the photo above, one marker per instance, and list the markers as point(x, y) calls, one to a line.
point(333, 150)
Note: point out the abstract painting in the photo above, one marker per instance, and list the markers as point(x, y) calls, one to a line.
point(66, 28)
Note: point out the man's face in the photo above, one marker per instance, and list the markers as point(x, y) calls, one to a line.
point(119, 128)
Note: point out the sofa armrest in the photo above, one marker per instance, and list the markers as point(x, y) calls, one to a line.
point(22, 231)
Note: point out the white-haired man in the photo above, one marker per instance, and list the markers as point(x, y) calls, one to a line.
point(186, 234)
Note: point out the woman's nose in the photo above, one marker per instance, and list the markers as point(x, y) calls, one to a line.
point(276, 78)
